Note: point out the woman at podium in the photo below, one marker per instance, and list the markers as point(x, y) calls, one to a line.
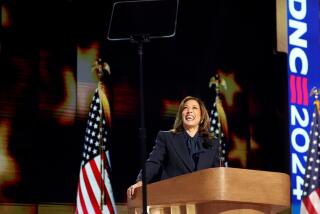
point(186, 148)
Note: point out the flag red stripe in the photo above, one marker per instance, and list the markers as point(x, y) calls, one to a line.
point(92, 197)
point(308, 205)
point(96, 172)
point(316, 200)
point(107, 196)
point(97, 176)
point(82, 203)
point(108, 201)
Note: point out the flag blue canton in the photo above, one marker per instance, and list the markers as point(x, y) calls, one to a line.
point(94, 133)
point(215, 127)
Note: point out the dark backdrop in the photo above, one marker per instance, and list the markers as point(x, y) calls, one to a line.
point(234, 37)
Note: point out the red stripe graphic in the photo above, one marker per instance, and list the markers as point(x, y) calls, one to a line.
point(305, 91)
point(293, 89)
point(299, 90)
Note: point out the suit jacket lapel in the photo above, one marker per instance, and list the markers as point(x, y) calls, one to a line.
point(181, 148)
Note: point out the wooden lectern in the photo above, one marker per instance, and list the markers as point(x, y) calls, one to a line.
point(217, 190)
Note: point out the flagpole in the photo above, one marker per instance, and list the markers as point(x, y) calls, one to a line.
point(100, 69)
point(102, 177)
point(219, 127)
point(315, 92)
point(215, 80)
point(95, 150)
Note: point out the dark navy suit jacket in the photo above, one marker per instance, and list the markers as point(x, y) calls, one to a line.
point(170, 157)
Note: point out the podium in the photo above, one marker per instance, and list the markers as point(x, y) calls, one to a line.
point(217, 190)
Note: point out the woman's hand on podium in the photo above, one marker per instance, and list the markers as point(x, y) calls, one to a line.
point(131, 189)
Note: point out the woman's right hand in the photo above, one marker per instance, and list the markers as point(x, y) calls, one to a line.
point(131, 189)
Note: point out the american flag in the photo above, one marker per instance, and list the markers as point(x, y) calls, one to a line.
point(216, 128)
point(310, 201)
point(94, 188)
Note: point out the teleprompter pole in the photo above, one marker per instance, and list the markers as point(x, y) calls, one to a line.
point(140, 40)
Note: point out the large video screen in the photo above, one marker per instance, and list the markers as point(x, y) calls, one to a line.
point(303, 79)
point(48, 82)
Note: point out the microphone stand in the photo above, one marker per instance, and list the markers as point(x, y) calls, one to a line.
point(140, 40)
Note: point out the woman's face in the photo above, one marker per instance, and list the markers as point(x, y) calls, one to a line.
point(191, 114)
